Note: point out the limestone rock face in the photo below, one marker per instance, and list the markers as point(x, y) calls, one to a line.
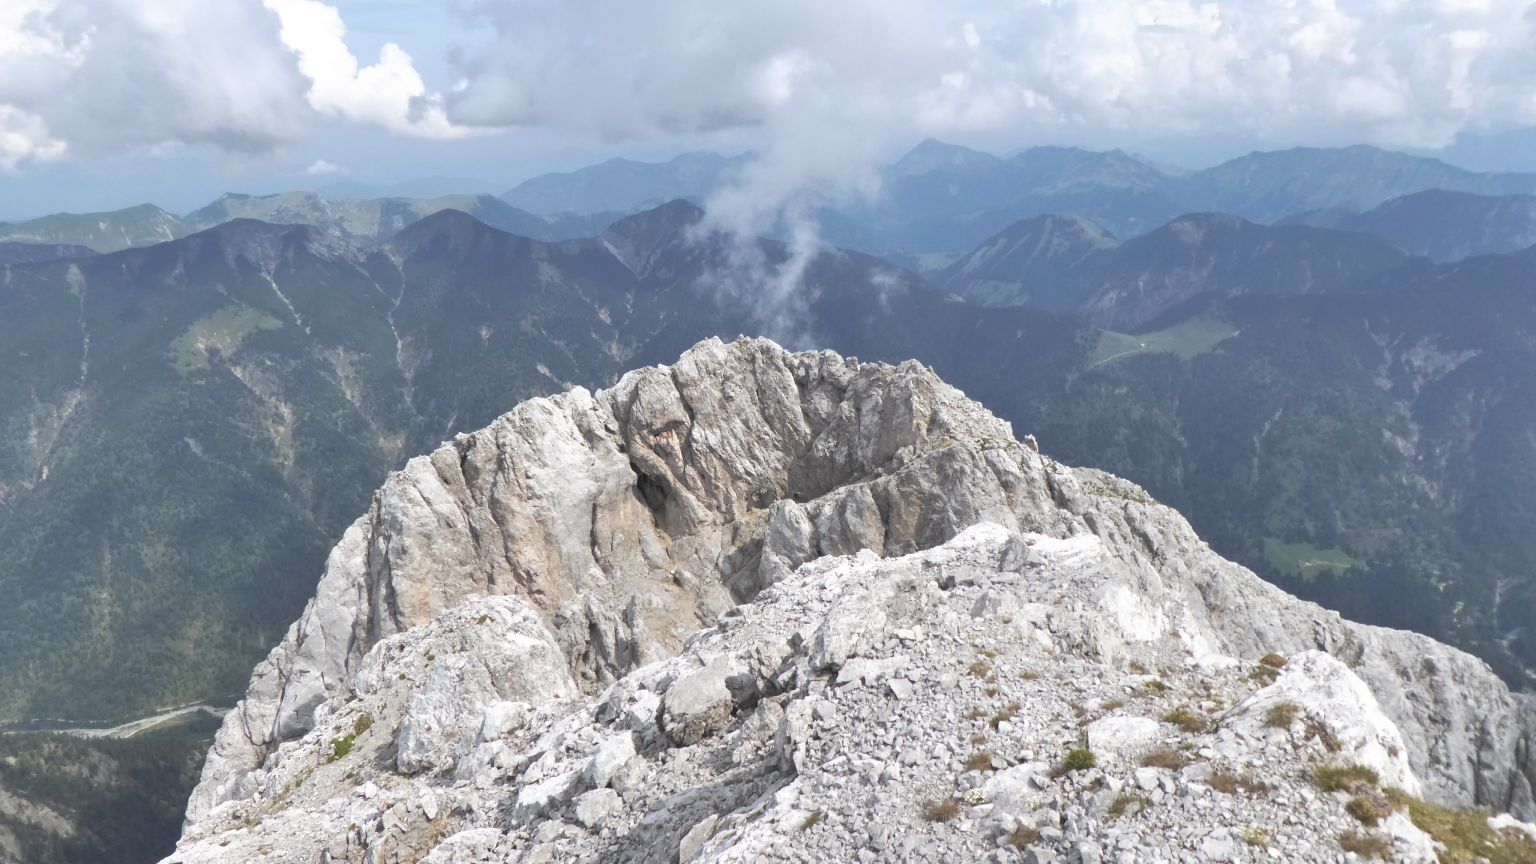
point(845, 563)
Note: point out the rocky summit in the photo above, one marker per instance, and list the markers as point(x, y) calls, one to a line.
point(762, 605)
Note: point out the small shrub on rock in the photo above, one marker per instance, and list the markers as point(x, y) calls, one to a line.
point(1272, 660)
point(1186, 719)
point(941, 810)
point(981, 760)
point(1282, 714)
point(1264, 674)
point(1079, 759)
point(1127, 802)
point(1371, 847)
point(1023, 837)
point(1164, 757)
point(1353, 779)
point(1368, 810)
point(1231, 783)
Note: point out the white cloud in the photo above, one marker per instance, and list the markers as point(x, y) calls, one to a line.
point(92, 77)
point(25, 136)
point(101, 76)
point(85, 77)
point(389, 93)
point(1288, 71)
point(322, 168)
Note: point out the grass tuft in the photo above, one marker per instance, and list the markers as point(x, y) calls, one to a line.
point(1257, 837)
point(1231, 783)
point(1465, 833)
point(1187, 719)
point(1372, 847)
point(942, 810)
point(1282, 714)
point(1164, 757)
point(1369, 809)
point(1353, 779)
point(981, 760)
point(1023, 837)
point(1128, 802)
point(1078, 759)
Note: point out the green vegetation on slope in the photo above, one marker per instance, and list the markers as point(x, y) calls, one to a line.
point(82, 801)
point(219, 334)
point(1186, 340)
point(1305, 561)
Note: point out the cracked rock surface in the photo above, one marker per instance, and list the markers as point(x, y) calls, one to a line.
point(766, 605)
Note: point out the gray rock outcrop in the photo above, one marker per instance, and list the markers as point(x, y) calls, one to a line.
point(489, 644)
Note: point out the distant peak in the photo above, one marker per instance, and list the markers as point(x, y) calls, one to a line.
point(636, 240)
point(458, 228)
point(932, 154)
point(672, 217)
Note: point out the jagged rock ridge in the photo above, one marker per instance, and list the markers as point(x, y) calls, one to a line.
point(484, 669)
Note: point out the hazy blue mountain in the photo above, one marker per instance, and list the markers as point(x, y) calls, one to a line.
point(1038, 261)
point(1206, 255)
point(1266, 187)
point(421, 187)
point(368, 220)
point(31, 253)
point(941, 198)
point(101, 232)
point(1440, 225)
point(623, 185)
point(1067, 264)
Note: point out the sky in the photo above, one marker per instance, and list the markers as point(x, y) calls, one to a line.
point(108, 103)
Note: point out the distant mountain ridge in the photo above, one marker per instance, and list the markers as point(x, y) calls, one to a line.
point(32, 253)
point(943, 199)
point(143, 225)
point(937, 202)
point(624, 185)
point(1066, 264)
point(1269, 186)
point(363, 220)
point(1438, 224)
point(367, 220)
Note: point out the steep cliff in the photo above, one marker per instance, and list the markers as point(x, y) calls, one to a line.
point(484, 669)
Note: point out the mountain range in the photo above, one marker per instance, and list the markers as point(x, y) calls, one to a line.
point(368, 221)
point(1071, 265)
point(1440, 225)
point(940, 199)
point(265, 375)
point(937, 201)
point(624, 185)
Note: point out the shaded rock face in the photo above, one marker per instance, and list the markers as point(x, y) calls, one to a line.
point(605, 529)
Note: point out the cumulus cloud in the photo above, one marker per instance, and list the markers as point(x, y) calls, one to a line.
point(24, 136)
point(99, 76)
point(322, 168)
point(1389, 71)
point(390, 93)
point(93, 77)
